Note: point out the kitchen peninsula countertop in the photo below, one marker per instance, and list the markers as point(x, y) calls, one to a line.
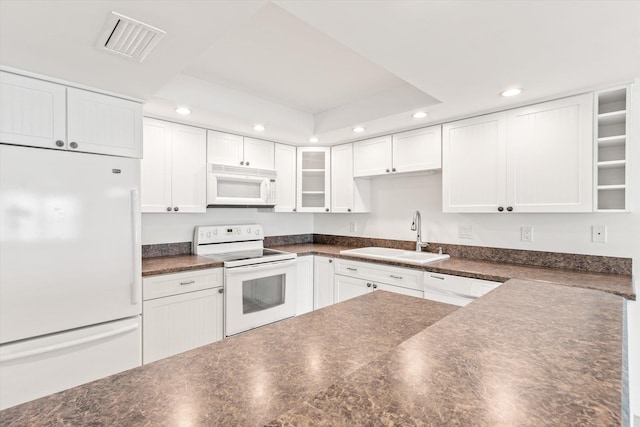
point(527, 353)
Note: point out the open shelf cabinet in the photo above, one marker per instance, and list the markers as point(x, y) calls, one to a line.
point(611, 150)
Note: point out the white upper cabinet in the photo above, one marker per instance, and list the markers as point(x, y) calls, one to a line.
point(37, 113)
point(173, 170)
point(412, 151)
point(418, 150)
point(474, 164)
point(285, 165)
point(103, 124)
point(530, 159)
point(549, 156)
point(32, 112)
point(314, 179)
point(234, 150)
point(258, 153)
point(347, 194)
point(372, 156)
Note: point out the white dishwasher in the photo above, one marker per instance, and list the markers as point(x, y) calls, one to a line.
point(454, 289)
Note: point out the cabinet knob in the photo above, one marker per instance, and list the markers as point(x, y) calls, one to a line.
point(168, 208)
point(247, 163)
point(176, 209)
point(387, 170)
point(368, 285)
point(348, 209)
point(510, 209)
point(60, 143)
point(220, 291)
point(500, 208)
point(393, 169)
point(326, 209)
point(73, 145)
point(330, 261)
point(294, 209)
point(375, 286)
point(242, 162)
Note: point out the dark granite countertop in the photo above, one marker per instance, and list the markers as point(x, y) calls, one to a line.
point(617, 284)
point(176, 263)
point(527, 353)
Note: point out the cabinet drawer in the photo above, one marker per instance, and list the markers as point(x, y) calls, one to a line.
point(180, 283)
point(458, 286)
point(407, 278)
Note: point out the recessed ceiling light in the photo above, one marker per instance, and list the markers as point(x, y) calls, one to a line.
point(511, 92)
point(419, 115)
point(358, 129)
point(313, 139)
point(183, 110)
point(259, 128)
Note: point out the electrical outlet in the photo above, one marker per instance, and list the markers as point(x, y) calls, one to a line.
point(353, 226)
point(526, 234)
point(599, 233)
point(465, 231)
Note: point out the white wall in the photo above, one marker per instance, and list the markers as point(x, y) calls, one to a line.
point(170, 228)
point(395, 199)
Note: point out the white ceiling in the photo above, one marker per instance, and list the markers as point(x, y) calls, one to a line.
point(321, 67)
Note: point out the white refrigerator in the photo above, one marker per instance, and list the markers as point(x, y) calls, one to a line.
point(70, 280)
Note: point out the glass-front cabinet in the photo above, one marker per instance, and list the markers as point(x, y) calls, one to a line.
point(314, 179)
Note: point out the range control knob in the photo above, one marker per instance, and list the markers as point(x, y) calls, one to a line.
point(209, 234)
point(257, 232)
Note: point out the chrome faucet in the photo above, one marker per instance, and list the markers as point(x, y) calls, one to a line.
point(417, 226)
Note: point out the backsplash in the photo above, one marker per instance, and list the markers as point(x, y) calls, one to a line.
point(588, 263)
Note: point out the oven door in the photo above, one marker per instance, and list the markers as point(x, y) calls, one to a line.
point(259, 294)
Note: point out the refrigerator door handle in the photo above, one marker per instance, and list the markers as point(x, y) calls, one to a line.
point(136, 283)
point(73, 343)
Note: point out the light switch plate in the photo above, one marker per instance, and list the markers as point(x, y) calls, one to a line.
point(599, 233)
point(465, 231)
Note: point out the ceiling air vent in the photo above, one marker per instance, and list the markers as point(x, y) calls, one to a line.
point(129, 38)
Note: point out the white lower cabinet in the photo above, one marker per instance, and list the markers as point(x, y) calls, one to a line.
point(323, 287)
point(180, 312)
point(354, 278)
point(304, 284)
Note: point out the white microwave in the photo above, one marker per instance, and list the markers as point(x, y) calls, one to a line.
point(229, 186)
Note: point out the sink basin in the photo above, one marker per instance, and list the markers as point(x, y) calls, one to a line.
point(399, 255)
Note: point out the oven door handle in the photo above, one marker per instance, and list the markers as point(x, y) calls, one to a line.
point(259, 267)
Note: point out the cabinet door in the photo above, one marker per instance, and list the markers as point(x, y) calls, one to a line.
point(399, 290)
point(350, 287)
point(342, 186)
point(474, 164)
point(103, 124)
point(314, 179)
point(323, 282)
point(372, 157)
point(189, 168)
point(179, 323)
point(285, 165)
point(304, 285)
point(155, 168)
point(224, 148)
point(32, 112)
point(418, 150)
point(258, 154)
point(549, 149)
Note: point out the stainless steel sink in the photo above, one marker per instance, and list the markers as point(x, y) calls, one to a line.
point(399, 255)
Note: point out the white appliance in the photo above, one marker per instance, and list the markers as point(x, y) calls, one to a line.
point(240, 186)
point(455, 290)
point(70, 280)
point(259, 284)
